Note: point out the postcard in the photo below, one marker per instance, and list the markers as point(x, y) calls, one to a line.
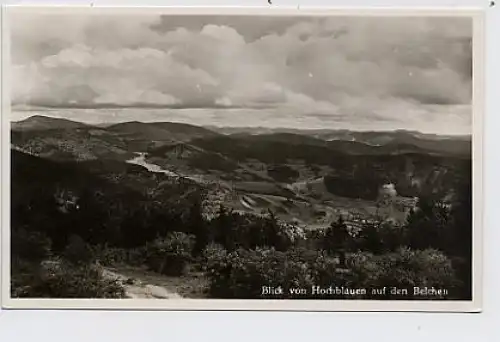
point(242, 159)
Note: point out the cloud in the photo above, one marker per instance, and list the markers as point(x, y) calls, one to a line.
point(395, 71)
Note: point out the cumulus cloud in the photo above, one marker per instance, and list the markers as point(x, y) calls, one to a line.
point(395, 72)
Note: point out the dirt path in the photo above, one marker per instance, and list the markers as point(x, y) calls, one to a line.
point(138, 289)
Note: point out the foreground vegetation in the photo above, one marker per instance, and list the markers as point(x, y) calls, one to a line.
point(67, 223)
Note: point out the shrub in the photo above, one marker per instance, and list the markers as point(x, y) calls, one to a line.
point(234, 230)
point(313, 239)
point(243, 273)
point(170, 255)
point(212, 255)
point(30, 245)
point(380, 237)
point(112, 256)
point(78, 251)
point(195, 223)
point(293, 233)
point(59, 279)
point(404, 269)
point(337, 239)
point(427, 268)
point(364, 270)
point(426, 226)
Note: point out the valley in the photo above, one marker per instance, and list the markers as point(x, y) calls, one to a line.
point(177, 156)
point(143, 180)
point(303, 178)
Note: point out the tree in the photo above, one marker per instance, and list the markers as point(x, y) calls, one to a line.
point(195, 223)
point(222, 228)
point(380, 237)
point(460, 231)
point(369, 238)
point(272, 233)
point(170, 255)
point(87, 216)
point(337, 239)
point(426, 225)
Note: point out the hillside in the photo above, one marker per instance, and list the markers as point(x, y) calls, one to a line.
point(30, 172)
point(296, 175)
point(412, 169)
point(39, 122)
point(185, 132)
point(45, 192)
point(79, 144)
point(160, 131)
point(61, 139)
point(452, 144)
point(288, 138)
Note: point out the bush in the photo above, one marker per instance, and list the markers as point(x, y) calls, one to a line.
point(426, 227)
point(78, 251)
point(404, 269)
point(313, 239)
point(243, 273)
point(59, 279)
point(112, 256)
point(380, 237)
point(32, 245)
point(337, 239)
point(212, 255)
point(427, 268)
point(170, 255)
point(234, 230)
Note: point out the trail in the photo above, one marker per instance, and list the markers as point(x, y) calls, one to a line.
point(137, 289)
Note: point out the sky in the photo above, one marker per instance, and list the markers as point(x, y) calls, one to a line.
point(363, 73)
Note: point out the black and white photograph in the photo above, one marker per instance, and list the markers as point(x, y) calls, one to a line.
point(186, 157)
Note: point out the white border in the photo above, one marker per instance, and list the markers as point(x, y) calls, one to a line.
point(260, 305)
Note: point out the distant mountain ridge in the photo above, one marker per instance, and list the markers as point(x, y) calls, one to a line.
point(162, 130)
point(360, 142)
point(143, 135)
point(40, 122)
point(48, 122)
point(334, 134)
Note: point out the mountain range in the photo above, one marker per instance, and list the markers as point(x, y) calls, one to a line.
point(357, 142)
point(305, 175)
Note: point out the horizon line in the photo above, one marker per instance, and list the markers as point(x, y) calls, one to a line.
point(247, 127)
